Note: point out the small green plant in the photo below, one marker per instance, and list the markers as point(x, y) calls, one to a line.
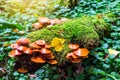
point(46, 73)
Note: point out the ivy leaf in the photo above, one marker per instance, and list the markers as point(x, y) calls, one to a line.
point(98, 71)
point(113, 52)
point(6, 24)
point(105, 46)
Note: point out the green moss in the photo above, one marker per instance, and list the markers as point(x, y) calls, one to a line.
point(44, 34)
point(85, 30)
point(99, 24)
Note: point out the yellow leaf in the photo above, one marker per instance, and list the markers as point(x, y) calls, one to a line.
point(113, 52)
point(6, 44)
point(59, 47)
point(57, 43)
point(61, 40)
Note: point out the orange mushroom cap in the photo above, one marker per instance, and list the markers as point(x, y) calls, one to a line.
point(37, 25)
point(52, 61)
point(81, 52)
point(73, 46)
point(71, 55)
point(40, 42)
point(14, 46)
point(74, 56)
point(23, 41)
point(22, 70)
point(55, 21)
point(52, 22)
point(33, 45)
point(77, 60)
point(47, 46)
point(58, 21)
point(84, 52)
point(21, 48)
point(27, 51)
point(45, 51)
point(78, 52)
point(49, 56)
point(38, 59)
point(14, 53)
point(35, 50)
point(44, 20)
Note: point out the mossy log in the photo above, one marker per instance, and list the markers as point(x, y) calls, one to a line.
point(85, 31)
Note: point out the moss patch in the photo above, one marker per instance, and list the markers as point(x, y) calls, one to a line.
point(44, 34)
point(85, 31)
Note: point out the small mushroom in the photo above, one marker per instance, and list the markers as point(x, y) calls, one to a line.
point(81, 52)
point(49, 56)
point(14, 53)
point(24, 49)
point(55, 21)
point(78, 52)
point(40, 42)
point(52, 22)
point(27, 51)
point(22, 70)
point(45, 51)
point(34, 46)
point(74, 56)
point(38, 59)
point(77, 60)
point(73, 46)
point(47, 46)
point(23, 41)
point(14, 46)
point(44, 20)
point(35, 50)
point(52, 61)
point(21, 48)
point(71, 55)
point(84, 52)
point(37, 25)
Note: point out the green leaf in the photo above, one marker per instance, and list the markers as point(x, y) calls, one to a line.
point(79, 77)
point(105, 45)
point(15, 73)
point(98, 71)
point(55, 76)
point(106, 65)
point(6, 24)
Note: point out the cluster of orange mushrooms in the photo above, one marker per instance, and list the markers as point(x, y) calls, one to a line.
point(44, 21)
point(77, 53)
point(20, 47)
point(40, 52)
